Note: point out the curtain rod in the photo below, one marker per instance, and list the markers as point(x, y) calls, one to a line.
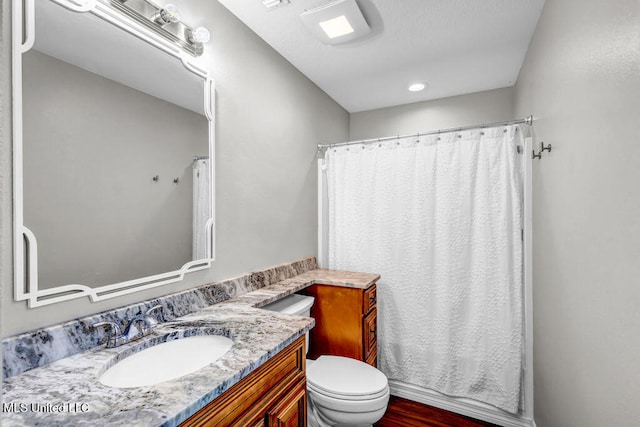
point(527, 120)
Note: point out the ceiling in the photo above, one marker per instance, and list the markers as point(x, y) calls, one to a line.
point(456, 46)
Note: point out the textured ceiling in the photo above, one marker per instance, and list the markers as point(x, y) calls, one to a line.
point(456, 46)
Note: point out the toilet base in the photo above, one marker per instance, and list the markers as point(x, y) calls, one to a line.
point(316, 419)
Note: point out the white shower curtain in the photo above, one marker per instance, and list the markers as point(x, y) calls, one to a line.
point(439, 218)
point(201, 207)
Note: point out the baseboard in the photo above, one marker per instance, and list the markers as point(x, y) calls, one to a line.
point(461, 406)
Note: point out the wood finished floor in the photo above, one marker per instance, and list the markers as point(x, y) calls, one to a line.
point(405, 413)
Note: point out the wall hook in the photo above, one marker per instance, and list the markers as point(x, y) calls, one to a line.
point(543, 148)
point(155, 178)
point(176, 180)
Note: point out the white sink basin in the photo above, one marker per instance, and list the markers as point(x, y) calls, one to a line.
point(166, 361)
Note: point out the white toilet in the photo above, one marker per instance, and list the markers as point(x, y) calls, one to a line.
point(340, 391)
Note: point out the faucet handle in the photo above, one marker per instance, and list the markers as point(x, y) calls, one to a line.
point(113, 327)
point(113, 332)
point(152, 321)
point(154, 308)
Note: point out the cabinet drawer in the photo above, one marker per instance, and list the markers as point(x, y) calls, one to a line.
point(370, 332)
point(369, 299)
point(373, 359)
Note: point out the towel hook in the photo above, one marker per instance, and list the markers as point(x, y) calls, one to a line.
point(543, 148)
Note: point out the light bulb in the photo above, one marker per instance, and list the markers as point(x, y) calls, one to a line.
point(170, 14)
point(199, 35)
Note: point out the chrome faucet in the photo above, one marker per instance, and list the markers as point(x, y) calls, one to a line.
point(114, 337)
point(138, 327)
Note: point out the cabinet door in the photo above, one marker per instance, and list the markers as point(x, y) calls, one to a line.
point(291, 410)
point(338, 314)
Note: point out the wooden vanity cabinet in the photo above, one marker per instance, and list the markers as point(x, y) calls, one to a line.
point(346, 322)
point(273, 395)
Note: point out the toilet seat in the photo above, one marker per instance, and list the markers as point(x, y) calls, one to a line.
point(338, 396)
point(346, 379)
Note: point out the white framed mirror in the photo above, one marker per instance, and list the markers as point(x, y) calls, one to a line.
point(113, 154)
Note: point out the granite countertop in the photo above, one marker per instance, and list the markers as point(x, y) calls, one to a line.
point(269, 294)
point(68, 392)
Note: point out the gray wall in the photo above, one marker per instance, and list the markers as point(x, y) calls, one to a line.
point(581, 79)
point(482, 107)
point(89, 197)
point(269, 120)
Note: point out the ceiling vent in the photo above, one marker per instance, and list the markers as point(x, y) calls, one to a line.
point(336, 23)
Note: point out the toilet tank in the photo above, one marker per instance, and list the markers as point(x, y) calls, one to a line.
point(293, 304)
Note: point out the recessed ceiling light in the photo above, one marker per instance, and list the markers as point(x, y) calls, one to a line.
point(336, 27)
point(417, 86)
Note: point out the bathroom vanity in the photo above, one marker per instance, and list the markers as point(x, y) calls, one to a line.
point(261, 380)
point(346, 322)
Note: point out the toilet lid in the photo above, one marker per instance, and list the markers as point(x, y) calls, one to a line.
point(343, 376)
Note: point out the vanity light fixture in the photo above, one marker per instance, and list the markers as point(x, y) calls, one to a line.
point(417, 86)
point(168, 15)
point(199, 35)
point(165, 21)
point(337, 22)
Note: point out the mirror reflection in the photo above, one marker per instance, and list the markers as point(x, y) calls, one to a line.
point(115, 154)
